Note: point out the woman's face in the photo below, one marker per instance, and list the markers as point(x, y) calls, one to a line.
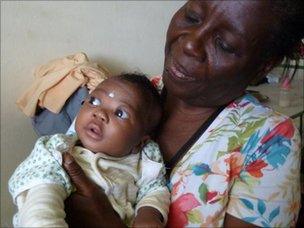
point(212, 50)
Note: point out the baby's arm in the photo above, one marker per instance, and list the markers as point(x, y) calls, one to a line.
point(153, 196)
point(152, 209)
point(39, 185)
point(42, 206)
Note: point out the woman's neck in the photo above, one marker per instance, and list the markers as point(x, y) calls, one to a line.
point(179, 123)
point(175, 107)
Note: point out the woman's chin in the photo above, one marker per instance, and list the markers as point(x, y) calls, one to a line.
point(176, 88)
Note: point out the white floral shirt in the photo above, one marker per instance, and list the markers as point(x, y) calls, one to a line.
point(246, 164)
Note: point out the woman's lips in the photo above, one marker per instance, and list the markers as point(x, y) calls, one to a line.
point(94, 131)
point(177, 72)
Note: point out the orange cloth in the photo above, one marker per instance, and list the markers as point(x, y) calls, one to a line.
point(57, 80)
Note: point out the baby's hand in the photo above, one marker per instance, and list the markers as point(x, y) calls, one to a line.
point(148, 217)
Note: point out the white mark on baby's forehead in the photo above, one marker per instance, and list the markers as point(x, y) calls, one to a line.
point(111, 94)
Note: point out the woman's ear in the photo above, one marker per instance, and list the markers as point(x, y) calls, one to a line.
point(264, 69)
point(141, 144)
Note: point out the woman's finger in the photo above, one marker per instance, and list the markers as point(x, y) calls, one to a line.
point(81, 181)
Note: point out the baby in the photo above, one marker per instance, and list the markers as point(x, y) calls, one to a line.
point(113, 147)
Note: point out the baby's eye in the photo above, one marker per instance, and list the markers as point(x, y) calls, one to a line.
point(121, 114)
point(94, 101)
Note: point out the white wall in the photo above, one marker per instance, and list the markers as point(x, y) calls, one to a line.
point(126, 35)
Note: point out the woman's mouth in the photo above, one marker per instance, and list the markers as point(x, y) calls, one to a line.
point(177, 72)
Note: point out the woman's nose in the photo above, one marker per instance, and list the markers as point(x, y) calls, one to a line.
point(101, 115)
point(194, 45)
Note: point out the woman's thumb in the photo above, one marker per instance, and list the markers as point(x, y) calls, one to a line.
point(77, 175)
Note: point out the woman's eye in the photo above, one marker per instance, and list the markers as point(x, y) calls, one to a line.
point(224, 46)
point(192, 18)
point(94, 101)
point(121, 114)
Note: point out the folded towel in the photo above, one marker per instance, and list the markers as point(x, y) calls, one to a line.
point(57, 80)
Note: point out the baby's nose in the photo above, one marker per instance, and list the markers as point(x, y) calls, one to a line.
point(101, 115)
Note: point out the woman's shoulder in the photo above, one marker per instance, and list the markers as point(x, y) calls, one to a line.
point(250, 109)
point(255, 125)
point(263, 129)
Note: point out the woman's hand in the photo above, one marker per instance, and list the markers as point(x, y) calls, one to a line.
point(148, 217)
point(89, 206)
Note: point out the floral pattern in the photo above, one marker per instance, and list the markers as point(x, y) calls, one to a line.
point(246, 164)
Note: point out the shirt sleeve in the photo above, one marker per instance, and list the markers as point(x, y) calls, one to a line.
point(41, 206)
point(267, 191)
point(43, 165)
point(153, 191)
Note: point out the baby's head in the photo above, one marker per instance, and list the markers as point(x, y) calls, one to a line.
point(119, 115)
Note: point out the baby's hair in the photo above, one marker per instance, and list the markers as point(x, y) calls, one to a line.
point(151, 96)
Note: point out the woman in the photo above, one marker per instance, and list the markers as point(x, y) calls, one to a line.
point(232, 162)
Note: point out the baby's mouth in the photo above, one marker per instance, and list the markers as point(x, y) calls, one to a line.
point(94, 131)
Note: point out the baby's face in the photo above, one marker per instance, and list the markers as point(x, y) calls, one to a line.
point(111, 120)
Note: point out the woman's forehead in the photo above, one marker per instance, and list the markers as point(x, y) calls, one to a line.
point(247, 19)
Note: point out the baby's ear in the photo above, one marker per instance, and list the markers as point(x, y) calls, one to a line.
point(141, 144)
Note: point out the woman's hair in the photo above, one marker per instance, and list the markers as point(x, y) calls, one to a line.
point(288, 29)
point(153, 106)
